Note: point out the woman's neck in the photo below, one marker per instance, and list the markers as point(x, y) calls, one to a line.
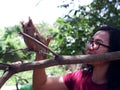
point(99, 73)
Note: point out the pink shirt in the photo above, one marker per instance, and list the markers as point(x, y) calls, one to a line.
point(81, 80)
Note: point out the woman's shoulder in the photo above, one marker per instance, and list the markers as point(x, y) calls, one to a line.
point(78, 73)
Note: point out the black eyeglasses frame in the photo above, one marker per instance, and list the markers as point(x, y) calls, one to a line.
point(91, 41)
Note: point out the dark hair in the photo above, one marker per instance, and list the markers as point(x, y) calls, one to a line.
point(113, 73)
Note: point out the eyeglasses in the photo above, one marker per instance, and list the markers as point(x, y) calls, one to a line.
point(96, 43)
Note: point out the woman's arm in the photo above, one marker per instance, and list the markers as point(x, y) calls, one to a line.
point(42, 82)
point(40, 79)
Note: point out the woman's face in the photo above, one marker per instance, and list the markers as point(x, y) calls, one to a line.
point(99, 43)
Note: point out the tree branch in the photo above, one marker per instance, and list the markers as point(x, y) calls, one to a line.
point(39, 42)
point(5, 77)
point(59, 60)
point(62, 60)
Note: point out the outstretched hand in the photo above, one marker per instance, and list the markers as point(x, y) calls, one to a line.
point(31, 30)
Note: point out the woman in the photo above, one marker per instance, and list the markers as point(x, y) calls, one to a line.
point(98, 76)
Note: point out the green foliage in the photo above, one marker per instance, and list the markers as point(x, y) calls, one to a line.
point(79, 24)
point(12, 44)
point(105, 12)
point(23, 78)
point(73, 36)
point(11, 41)
point(56, 71)
point(46, 29)
point(20, 78)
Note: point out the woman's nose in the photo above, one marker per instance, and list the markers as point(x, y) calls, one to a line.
point(93, 46)
point(90, 46)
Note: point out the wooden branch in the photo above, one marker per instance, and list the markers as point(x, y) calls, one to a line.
point(39, 42)
point(5, 77)
point(59, 60)
point(62, 60)
point(4, 66)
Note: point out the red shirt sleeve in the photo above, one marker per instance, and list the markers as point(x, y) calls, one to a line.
point(81, 80)
point(72, 79)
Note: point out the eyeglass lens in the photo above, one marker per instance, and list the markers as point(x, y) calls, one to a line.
point(96, 43)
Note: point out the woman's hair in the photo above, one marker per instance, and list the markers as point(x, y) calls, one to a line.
point(113, 73)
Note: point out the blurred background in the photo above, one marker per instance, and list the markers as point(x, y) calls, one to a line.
point(71, 22)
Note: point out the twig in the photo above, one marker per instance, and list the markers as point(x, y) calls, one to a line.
point(39, 42)
point(22, 49)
